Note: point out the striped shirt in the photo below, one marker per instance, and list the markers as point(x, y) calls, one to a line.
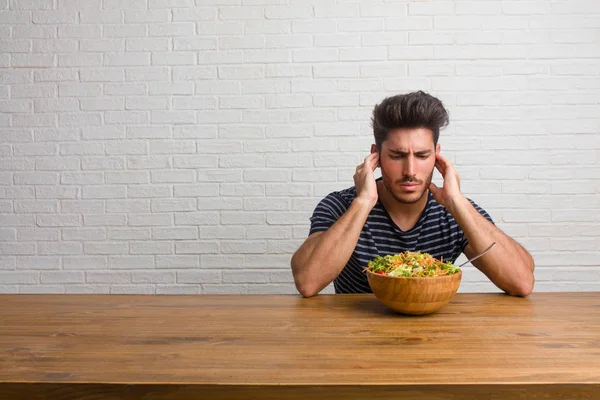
point(436, 232)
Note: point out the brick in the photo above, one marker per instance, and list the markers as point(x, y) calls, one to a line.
point(38, 234)
point(62, 277)
point(59, 248)
point(222, 232)
point(204, 161)
point(174, 289)
point(102, 163)
point(176, 233)
point(54, 17)
point(147, 74)
point(199, 276)
point(132, 147)
point(101, 46)
point(124, 177)
point(171, 205)
point(36, 206)
point(84, 262)
point(195, 103)
point(35, 149)
point(19, 278)
point(174, 59)
point(128, 206)
point(172, 146)
point(196, 218)
point(269, 232)
point(103, 132)
point(221, 27)
point(243, 247)
point(104, 192)
point(28, 263)
point(194, 14)
point(36, 178)
point(219, 203)
point(154, 219)
point(128, 234)
point(131, 262)
point(126, 117)
point(242, 217)
point(151, 16)
point(267, 175)
point(160, 88)
point(197, 190)
point(337, 11)
point(153, 277)
point(105, 220)
point(240, 42)
point(197, 247)
point(36, 120)
point(131, 58)
point(177, 262)
point(247, 276)
point(107, 277)
point(147, 44)
point(125, 4)
point(82, 206)
point(33, 91)
point(254, 27)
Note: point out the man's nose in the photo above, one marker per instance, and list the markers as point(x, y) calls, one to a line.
point(409, 167)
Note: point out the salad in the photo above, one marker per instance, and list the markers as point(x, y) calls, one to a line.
point(412, 264)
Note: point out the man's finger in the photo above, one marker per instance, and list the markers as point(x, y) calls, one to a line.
point(440, 168)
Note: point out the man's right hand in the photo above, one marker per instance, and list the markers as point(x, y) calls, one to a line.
point(364, 180)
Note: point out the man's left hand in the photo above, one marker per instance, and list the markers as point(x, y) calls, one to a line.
point(449, 195)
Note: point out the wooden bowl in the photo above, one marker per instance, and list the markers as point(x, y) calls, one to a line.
point(414, 296)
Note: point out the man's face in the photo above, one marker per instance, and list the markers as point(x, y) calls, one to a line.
point(407, 160)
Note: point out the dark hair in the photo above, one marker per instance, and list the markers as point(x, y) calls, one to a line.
point(411, 110)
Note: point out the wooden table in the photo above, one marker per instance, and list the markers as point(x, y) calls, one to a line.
point(275, 346)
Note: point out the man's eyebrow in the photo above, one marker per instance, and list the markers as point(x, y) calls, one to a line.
point(400, 152)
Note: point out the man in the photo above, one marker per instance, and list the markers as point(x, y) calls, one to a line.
point(403, 210)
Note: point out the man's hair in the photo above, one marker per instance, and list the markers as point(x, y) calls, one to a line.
point(411, 110)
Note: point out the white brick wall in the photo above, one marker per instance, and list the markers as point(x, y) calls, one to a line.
point(161, 146)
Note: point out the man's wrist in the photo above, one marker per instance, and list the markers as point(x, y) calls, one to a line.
point(365, 203)
point(459, 206)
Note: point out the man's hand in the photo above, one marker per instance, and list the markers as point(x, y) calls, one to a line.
point(449, 195)
point(364, 180)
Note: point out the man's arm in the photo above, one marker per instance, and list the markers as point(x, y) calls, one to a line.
point(509, 266)
point(324, 255)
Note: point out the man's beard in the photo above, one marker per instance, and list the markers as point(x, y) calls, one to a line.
point(406, 179)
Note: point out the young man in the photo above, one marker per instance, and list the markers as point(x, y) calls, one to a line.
point(403, 210)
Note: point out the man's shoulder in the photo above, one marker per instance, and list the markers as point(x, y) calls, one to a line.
point(343, 197)
point(438, 211)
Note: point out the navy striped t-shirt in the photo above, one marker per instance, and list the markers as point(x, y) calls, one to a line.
point(436, 232)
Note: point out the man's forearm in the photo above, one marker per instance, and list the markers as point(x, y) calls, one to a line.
point(321, 259)
point(509, 266)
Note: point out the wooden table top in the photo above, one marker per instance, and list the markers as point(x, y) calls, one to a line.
point(245, 343)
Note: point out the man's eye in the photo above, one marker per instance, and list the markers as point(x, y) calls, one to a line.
point(397, 157)
point(423, 156)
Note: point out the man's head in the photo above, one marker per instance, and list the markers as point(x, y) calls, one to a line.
point(406, 129)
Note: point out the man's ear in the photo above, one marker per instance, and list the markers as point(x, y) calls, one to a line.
point(437, 148)
point(374, 149)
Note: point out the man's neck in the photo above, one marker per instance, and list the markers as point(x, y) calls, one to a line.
point(404, 215)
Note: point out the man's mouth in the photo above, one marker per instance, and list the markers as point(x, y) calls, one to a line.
point(409, 185)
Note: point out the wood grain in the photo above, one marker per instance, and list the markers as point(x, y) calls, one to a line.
point(247, 346)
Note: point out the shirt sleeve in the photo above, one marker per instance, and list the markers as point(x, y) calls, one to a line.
point(327, 212)
point(464, 242)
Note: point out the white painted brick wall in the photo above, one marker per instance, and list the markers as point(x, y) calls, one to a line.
point(162, 146)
